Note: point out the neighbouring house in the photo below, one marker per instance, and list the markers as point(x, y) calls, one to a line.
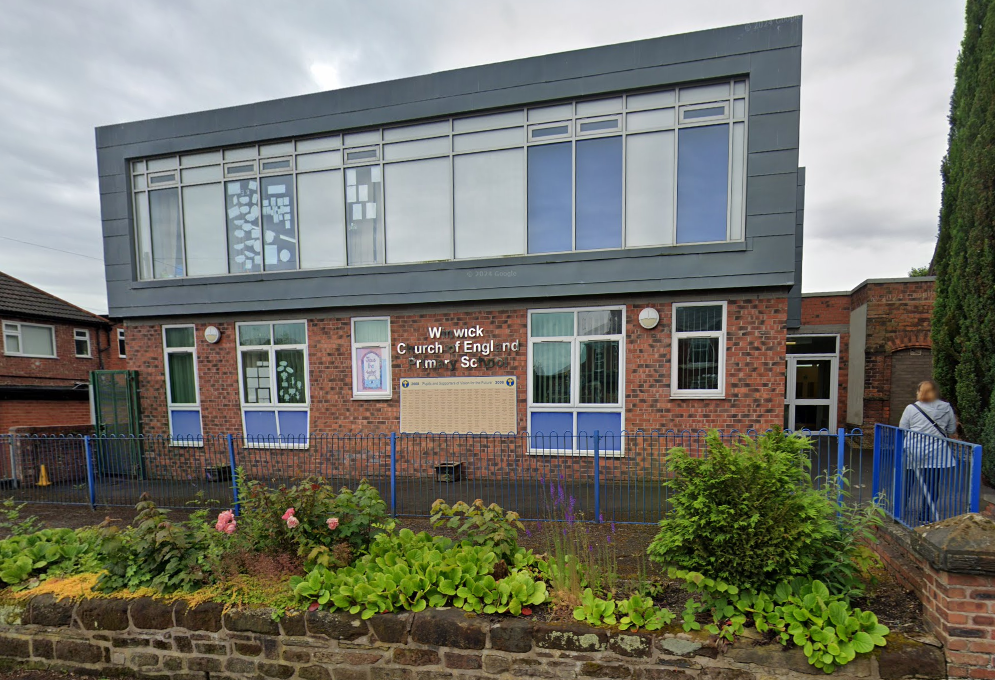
point(49, 348)
point(602, 239)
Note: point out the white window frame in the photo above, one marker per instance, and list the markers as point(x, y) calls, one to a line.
point(17, 326)
point(675, 391)
point(121, 339)
point(82, 334)
point(388, 358)
point(575, 407)
point(166, 351)
point(274, 405)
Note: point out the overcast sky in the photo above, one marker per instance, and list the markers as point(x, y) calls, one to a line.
point(876, 82)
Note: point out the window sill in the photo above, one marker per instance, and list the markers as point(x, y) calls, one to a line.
point(276, 446)
point(575, 454)
point(372, 397)
point(692, 395)
point(30, 356)
point(181, 444)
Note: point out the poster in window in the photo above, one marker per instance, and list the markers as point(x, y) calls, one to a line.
point(370, 368)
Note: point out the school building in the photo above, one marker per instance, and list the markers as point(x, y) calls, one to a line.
point(606, 239)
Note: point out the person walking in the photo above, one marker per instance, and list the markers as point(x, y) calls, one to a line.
point(928, 458)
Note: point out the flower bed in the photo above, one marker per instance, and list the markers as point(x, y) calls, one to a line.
point(760, 554)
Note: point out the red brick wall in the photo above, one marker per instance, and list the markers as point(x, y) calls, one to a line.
point(754, 369)
point(898, 317)
point(67, 368)
point(42, 413)
point(833, 310)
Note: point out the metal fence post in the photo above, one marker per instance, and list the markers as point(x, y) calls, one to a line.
point(976, 478)
point(597, 476)
point(393, 474)
point(876, 465)
point(899, 502)
point(88, 446)
point(234, 476)
point(840, 463)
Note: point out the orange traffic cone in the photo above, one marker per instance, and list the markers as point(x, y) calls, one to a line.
point(43, 477)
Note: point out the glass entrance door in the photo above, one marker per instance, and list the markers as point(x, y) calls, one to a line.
point(810, 401)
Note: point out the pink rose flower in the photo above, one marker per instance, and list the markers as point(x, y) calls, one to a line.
point(230, 528)
point(288, 514)
point(333, 523)
point(292, 522)
point(225, 519)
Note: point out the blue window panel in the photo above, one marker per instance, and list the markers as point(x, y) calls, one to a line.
point(702, 183)
point(608, 425)
point(599, 193)
point(550, 198)
point(260, 427)
point(552, 431)
point(293, 426)
point(185, 424)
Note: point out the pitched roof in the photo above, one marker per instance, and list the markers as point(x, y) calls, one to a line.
point(24, 300)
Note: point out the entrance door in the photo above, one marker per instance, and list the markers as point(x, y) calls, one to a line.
point(811, 398)
point(115, 409)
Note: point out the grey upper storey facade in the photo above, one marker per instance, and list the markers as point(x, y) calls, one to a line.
point(668, 164)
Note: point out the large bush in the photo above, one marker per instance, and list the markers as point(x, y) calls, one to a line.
point(746, 514)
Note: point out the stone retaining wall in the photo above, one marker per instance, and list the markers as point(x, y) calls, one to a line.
point(176, 642)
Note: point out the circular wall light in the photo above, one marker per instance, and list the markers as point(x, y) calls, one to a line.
point(649, 318)
point(212, 334)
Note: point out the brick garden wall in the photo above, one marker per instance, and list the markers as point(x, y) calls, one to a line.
point(159, 640)
point(43, 413)
point(60, 449)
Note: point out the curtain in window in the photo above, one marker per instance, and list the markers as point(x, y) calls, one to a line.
point(182, 382)
point(167, 241)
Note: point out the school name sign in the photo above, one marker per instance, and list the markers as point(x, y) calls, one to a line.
point(458, 347)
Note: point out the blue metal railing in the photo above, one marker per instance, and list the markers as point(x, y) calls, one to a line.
point(921, 478)
point(618, 478)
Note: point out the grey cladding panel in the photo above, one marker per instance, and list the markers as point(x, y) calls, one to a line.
point(778, 224)
point(771, 194)
point(771, 162)
point(773, 132)
point(776, 68)
point(775, 101)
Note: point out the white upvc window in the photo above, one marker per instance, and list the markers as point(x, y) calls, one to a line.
point(273, 383)
point(576, 380)
point(29, 340)
point(120, 343)
point(371, 377)
point(182, 388)
point(81, 342)
point(698, 350)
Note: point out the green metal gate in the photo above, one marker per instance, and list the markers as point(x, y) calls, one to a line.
point(116, 415)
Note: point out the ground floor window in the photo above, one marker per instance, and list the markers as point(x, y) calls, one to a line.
point(182, 394)
point(273, 378)
point(699, 349)
point(371, 358)
point(575, 378)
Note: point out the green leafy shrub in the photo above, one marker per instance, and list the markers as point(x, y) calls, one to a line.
point(45, 553)
point(488, 526)
point(636, 612)
point(414, 571)
point(746, 514)
point(11, 523)
point(157, 553)
point(309, 519)
point(802, 611)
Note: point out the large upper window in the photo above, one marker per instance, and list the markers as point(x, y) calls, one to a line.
point(699, 349)
point(29, 340)
point(575, 379)
point(273, 367)
point(182, 394)
point(642, 169)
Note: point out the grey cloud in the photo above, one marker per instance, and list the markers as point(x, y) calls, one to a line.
point(876, 83)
